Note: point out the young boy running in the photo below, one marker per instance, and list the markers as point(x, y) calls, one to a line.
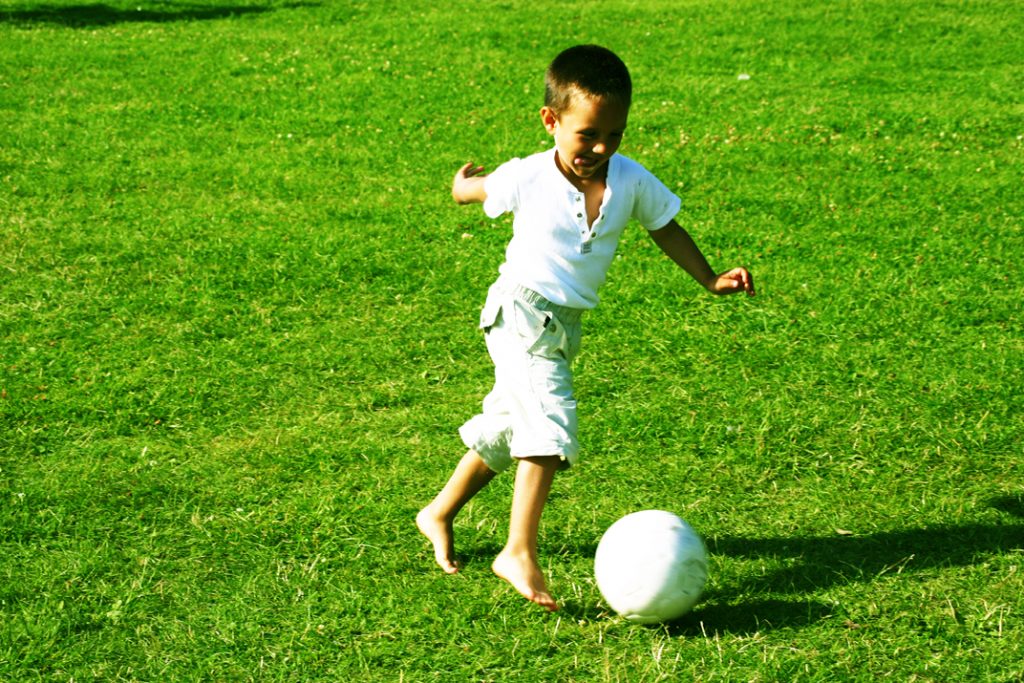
point(570, 204)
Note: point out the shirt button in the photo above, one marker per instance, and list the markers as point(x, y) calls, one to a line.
point(579, 215)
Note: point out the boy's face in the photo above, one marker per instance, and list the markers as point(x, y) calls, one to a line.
point(586, 134)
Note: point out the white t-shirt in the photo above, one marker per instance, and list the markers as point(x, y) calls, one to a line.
point(553, 251)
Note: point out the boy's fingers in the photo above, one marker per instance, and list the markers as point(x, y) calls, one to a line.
point(742, 279)
point(748, 281)
point(739, 280)
point(469, 169)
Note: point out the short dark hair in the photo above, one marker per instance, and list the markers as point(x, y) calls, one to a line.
point(589, 70)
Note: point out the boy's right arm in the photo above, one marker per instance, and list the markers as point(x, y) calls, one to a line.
point(468, 185)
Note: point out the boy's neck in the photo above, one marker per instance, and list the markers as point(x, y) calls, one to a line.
point(598, 180)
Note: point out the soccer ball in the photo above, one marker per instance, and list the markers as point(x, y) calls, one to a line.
point(651, 566)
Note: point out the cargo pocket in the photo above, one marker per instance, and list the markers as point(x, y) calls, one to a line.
point(542, 333)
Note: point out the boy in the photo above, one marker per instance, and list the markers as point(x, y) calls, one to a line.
point(570, 204)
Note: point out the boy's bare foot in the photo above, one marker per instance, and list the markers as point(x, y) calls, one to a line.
point(439, 532)
point(525, 576)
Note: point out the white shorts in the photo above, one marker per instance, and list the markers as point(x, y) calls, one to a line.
point(531, 411)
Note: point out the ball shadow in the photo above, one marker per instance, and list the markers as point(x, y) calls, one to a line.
point(818, 562)
point(814, 563)
point(711, 618)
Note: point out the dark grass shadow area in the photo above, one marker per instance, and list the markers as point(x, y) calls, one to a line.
point(477, 556)
point(1013, 505)
point(757, 616)
point(97, 15)
point(814, 563)
point(817, 562)
point(710, 617)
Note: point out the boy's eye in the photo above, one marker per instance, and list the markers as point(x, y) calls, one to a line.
point(590, 135)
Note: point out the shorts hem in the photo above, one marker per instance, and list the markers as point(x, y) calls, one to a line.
point(568, 460)
point(496, 458)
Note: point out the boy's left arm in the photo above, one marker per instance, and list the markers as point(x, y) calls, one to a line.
point(680, 247)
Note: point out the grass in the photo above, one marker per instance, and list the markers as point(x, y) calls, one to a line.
point(237, 337)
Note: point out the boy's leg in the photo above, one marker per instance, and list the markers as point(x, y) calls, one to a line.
point(435, 520)
point(517, 563)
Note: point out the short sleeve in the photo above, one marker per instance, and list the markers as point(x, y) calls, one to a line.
point(502, 188)
point(655, 204)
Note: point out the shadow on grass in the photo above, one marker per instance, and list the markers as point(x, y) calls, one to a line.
point(749, 617)
point(1013, 505)
point(709, 618)
point(96, 14)
point(817, 562)
point(814, 563)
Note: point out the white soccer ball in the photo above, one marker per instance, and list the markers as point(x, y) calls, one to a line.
point(651, 566)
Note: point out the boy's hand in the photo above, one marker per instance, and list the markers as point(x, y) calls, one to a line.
point(680, 247)
point(468, 185)
point(733, 281)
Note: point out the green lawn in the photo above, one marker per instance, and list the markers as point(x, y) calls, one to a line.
point(237, 337)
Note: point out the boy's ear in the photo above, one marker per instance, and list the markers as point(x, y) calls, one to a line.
point(549, 118)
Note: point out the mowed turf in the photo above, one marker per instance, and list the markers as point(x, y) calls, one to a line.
point(237, 337)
